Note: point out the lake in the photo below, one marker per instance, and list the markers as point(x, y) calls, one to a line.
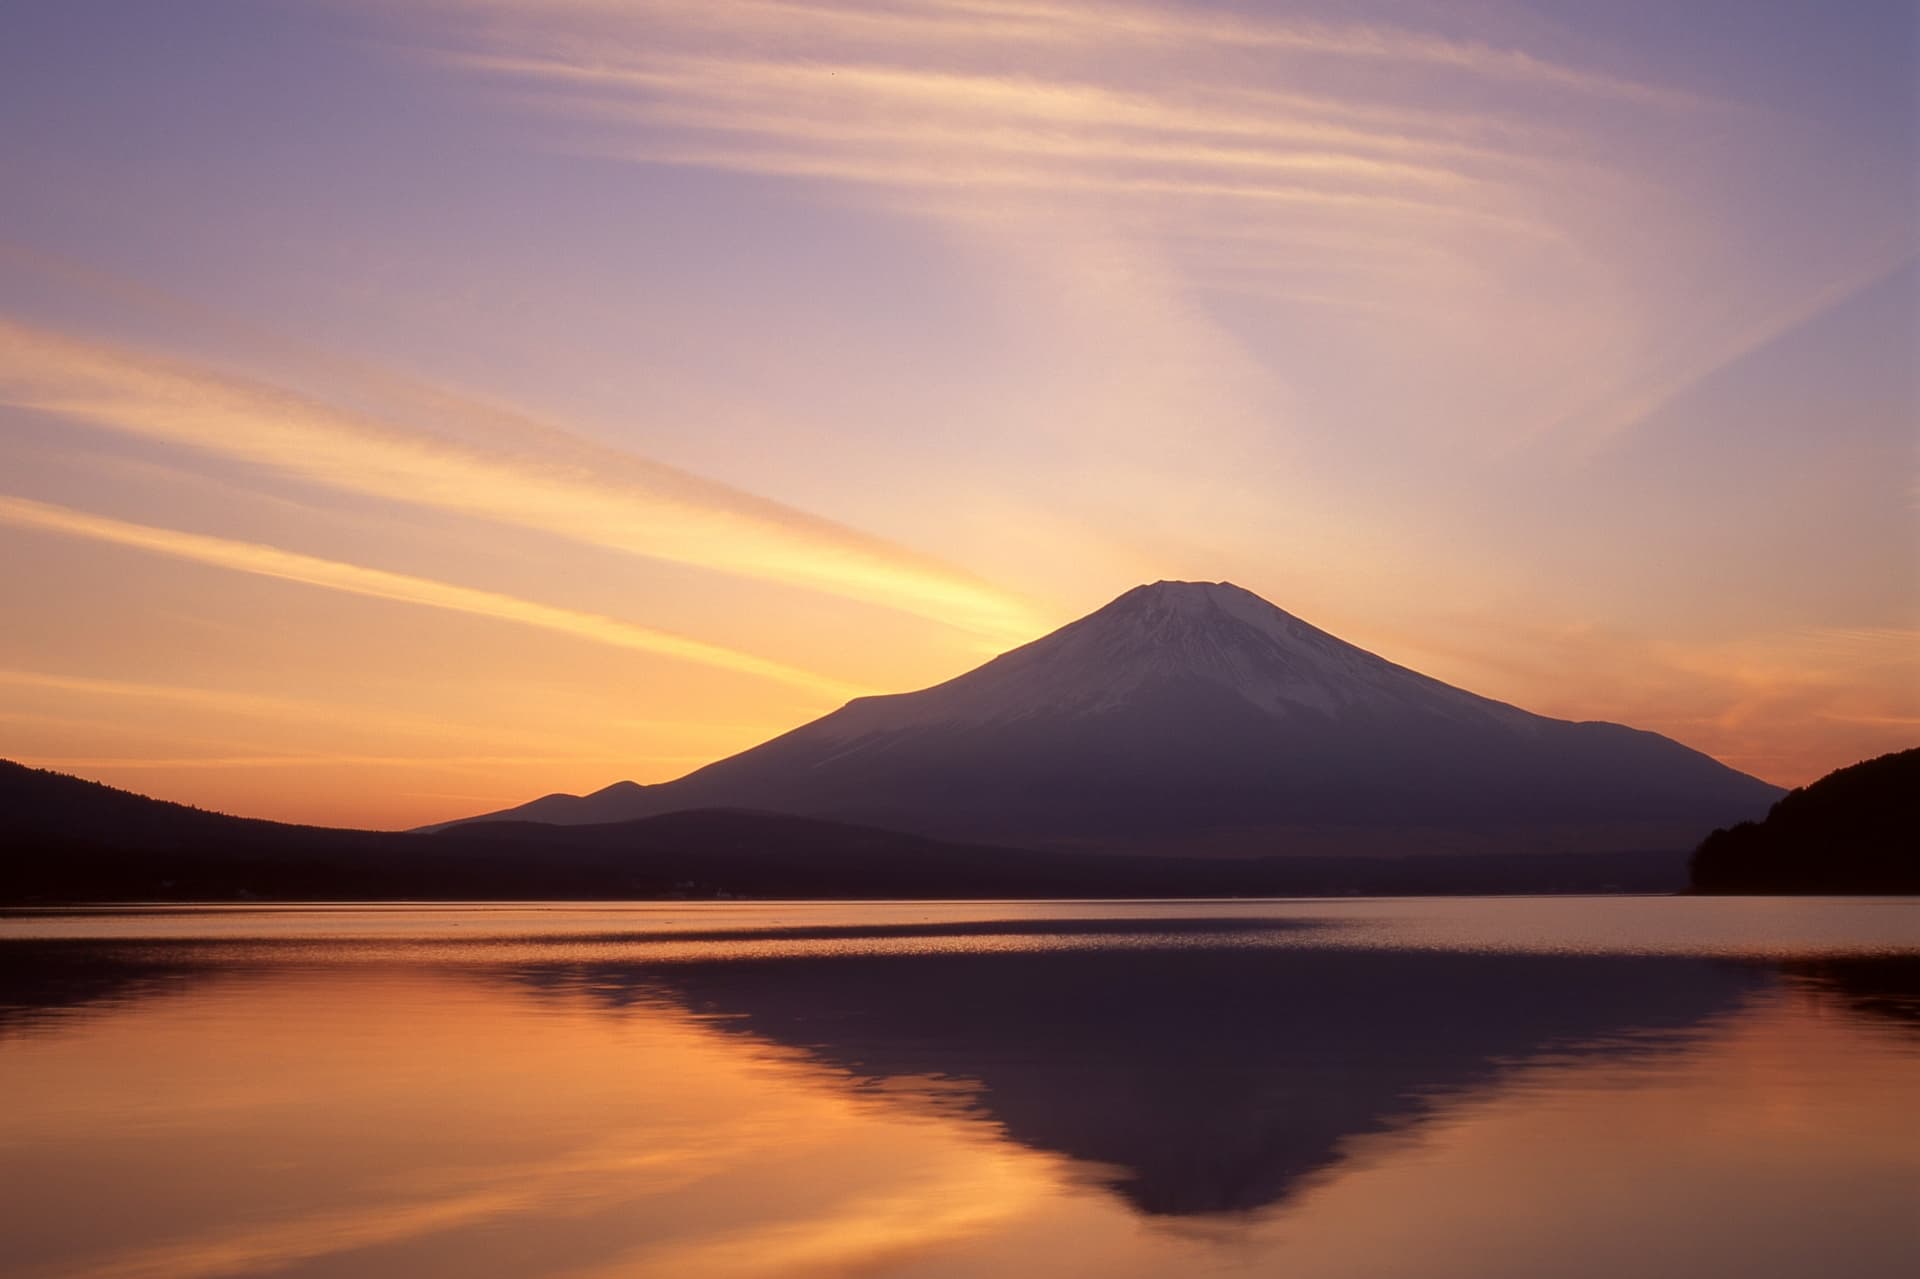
point(1407, 1087)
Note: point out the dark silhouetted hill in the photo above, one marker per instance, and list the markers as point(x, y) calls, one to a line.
point(65, 839)
point(608, 804)
point(1856, 830)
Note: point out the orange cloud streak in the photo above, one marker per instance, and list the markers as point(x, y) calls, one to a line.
point(354, 579)
point(555, 483)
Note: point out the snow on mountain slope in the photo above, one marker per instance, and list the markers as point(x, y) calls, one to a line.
point(1212, 632)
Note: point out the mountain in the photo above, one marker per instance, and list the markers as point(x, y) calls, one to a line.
point(65, 839)
point(1856, 830)
point(1197, 718)
point(613, 803)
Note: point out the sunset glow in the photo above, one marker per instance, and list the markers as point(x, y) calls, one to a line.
point(409, 409)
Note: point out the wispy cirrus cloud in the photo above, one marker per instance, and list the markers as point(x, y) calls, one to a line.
point(1570, 260)
point(516, 472)
point(1322, 167)
point(1617, 410)
point(93, 702)
point(1786, 705)
point(356, 579)
point(1036, 24)
point(248, 705)
point(671, 87)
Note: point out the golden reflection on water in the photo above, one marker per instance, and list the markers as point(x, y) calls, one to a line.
point(1692, 926)
point(587, 1117)
point(376, 1112)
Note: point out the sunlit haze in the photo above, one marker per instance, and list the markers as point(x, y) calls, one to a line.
point(407, 409)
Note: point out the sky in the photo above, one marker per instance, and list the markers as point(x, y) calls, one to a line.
point(411, 408)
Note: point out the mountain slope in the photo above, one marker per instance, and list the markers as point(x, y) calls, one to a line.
point(1196, 717)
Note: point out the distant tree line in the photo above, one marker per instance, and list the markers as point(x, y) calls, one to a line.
point(1856, 830)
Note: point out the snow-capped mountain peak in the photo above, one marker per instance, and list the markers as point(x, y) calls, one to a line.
point(1156, 639)
point(1186, 716)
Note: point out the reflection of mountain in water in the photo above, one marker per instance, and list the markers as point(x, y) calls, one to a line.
point(1201, 1077)
point(1209, 1079)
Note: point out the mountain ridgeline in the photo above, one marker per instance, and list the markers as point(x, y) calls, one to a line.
point(1196, 719)
point(1189, 739)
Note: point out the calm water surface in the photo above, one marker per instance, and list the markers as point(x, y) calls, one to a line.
point(1472, 1088)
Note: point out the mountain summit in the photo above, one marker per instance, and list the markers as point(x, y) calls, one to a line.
point(1175, 633)
point(1198, 717)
